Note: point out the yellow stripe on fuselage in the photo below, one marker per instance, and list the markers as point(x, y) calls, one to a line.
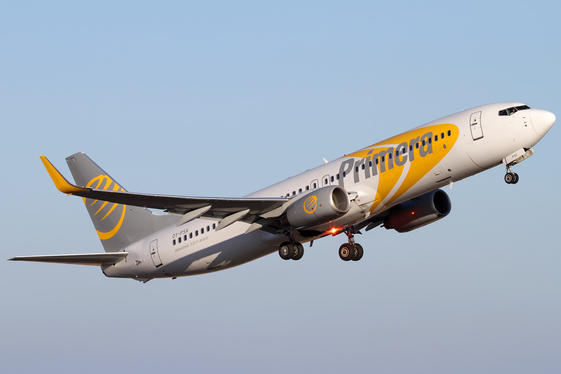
point(406, 158)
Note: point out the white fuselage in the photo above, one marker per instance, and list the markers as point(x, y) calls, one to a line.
point(460, 145)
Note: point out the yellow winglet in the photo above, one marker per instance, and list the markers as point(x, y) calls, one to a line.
point(60, 182)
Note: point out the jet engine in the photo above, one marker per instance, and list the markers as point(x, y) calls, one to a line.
point(318, 207)
point(419, 211)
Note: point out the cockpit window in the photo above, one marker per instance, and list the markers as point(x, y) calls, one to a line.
point(512, 110)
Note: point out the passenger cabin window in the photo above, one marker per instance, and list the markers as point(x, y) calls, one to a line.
point(510, 111)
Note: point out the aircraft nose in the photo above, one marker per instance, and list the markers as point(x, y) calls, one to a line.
point(542, 120)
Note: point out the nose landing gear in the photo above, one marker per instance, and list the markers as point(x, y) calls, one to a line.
point(510, 177)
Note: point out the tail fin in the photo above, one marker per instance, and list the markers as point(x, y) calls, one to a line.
point(117, 225)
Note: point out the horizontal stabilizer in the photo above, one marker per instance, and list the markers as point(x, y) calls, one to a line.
point(95, 259)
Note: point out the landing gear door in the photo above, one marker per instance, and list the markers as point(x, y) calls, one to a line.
point(475, 126)
point(154, 253)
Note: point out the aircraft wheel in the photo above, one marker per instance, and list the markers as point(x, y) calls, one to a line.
point(286, 250)
point(509, 178)
point(516, 178)
point(358, 252)
point(298, 251)
point(346, 252)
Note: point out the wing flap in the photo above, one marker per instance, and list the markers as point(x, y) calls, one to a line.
point(94, 259)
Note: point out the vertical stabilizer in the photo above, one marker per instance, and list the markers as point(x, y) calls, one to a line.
point(117, 225)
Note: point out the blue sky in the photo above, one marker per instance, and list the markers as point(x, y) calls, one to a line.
point(224, 98)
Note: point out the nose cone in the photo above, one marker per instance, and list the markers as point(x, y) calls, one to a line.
point(542, 120)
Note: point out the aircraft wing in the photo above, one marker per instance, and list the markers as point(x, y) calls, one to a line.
point(236, 209)
point(95, 259)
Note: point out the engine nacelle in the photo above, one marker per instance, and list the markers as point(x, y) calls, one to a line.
point(318, 207)
point(419, 211)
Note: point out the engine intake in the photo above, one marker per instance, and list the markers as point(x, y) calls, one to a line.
point(318, 207)
point(418, 212)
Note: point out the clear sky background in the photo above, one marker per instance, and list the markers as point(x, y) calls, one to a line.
point(224, 98)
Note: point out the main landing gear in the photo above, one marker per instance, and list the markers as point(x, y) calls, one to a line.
point(288, 251)
point(293, 250)
point(351, 250)
point(510, 177)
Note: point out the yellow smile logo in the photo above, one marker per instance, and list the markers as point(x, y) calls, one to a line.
point(310, 204)
point(106, 229)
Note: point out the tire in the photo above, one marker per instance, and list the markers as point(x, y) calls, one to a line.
point(516, 178)
point(298, 251)
point(286, 250)
point(358, 252)
point(346, 252)
point(509, 178)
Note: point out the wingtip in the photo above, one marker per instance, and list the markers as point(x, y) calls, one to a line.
point(60, 182)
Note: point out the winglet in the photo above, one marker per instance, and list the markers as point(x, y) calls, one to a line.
point(60, 182)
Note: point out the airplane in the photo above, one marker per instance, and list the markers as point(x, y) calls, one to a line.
point(395, 183)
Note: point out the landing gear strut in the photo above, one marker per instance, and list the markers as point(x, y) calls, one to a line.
point(350, 251)
point(510, 177)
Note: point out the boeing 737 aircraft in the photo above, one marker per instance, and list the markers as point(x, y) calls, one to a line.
point(394, 183)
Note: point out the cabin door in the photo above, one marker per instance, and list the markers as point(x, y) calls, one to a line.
point(475, 126)
point(154, 253)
